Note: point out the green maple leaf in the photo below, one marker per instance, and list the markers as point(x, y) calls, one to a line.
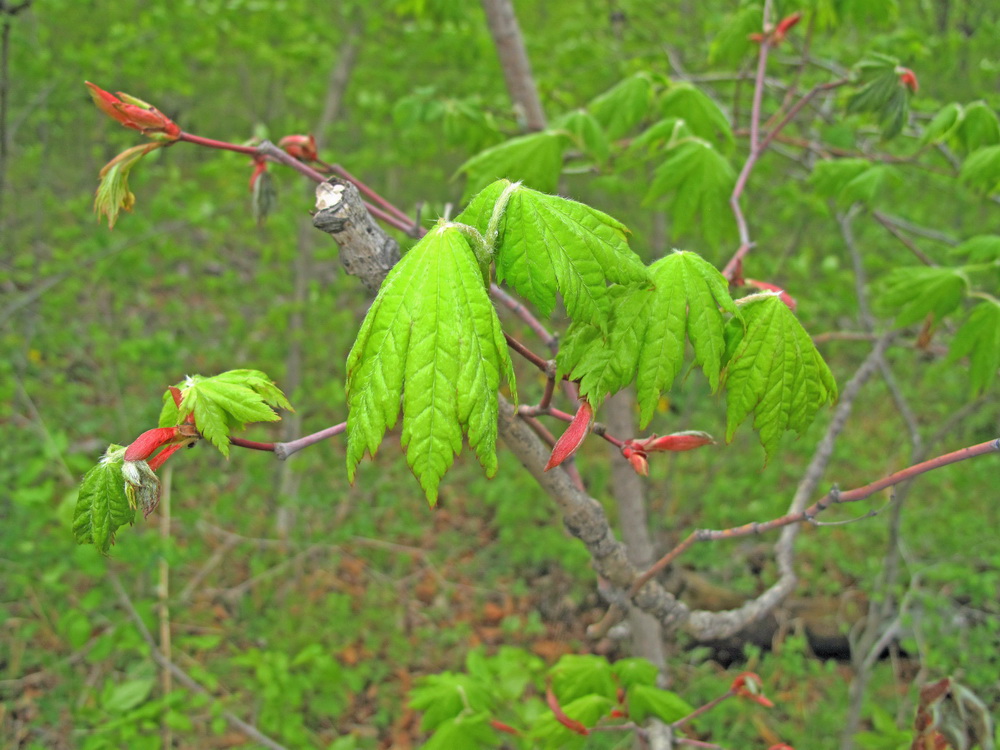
point(883, 93)
point(622, 107)
point(431, 345)
point(981, 170)
point(586, 133)
point(224, 403)
point(774, 372)
point(978, 127)
point(547, 245)
point(913, 292)
point(701, 114)
point(646, 334)
point(535, 159)
point(979, 339)
point(101, 505)
point(699, 180)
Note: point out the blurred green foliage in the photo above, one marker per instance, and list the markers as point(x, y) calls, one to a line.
point(311, 606)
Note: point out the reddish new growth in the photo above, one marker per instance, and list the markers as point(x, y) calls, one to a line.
point(302, 147)
point(570, 440)
point(749, 685)
point(777, 35)
point(170, 439)
point(135, 114)
point(908, 78)
point(636, 451)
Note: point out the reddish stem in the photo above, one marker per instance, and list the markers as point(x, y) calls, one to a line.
point(833, 497)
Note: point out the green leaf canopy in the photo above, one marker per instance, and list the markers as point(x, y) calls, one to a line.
point(431, 345)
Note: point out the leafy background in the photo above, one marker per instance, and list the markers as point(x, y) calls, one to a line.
point(312, 606)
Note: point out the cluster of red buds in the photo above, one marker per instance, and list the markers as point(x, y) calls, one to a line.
point(135, 114)
point(636, 451)
point(142, 487)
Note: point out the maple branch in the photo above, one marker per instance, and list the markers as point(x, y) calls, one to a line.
point(757, 148)
point(284, 450)
point(833, 497)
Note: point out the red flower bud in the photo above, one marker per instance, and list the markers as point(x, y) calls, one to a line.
point(785, 25)
point(134, 113)
point(908, 78)
point(749, 685)
point(259, 167)
point(570, 440)
point(677, 441)
point(300, 146)
point(149, 442)
point(637, 459)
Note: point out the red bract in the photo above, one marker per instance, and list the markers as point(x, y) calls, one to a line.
point(259, 166)
point(637, 459)
point(908, 78)
point(160, 458)
point(149, 442)
point(777, 35)
point(749, 685)
point(134, 113)
point(571, 724)
point(677, 441)
point(300, 146)
point(501, 727)
point(788, 299)
point(570, 440)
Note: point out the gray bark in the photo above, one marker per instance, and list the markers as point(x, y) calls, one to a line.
point(514, 61)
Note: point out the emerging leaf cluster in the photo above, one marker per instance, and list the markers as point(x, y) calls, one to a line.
point(224, 403)
point(102, 507)
point(881, 93)
point(430, 346)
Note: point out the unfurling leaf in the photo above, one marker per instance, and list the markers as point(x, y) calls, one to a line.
point(135, 114)
point(431, 345)
point(547, 244)
point(573, 437)
point(102, 506)
point(774, 372)
point(885, 92)
point(646, 332)
point(113, 194)
point(224, 403)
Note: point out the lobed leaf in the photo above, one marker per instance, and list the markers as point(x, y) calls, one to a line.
point(774, 372)
point(535, 159)
point(431, 346)
point(586, 133)
point(913, 292)
point(702, 115)
point(981, 170)
point(645, 337)
point(979, 340)
point(978, 127)
point(622, 107)
point(224, 403)
point(549, 244)
point(101, 506)
point(699, 180)
point(883, 93)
